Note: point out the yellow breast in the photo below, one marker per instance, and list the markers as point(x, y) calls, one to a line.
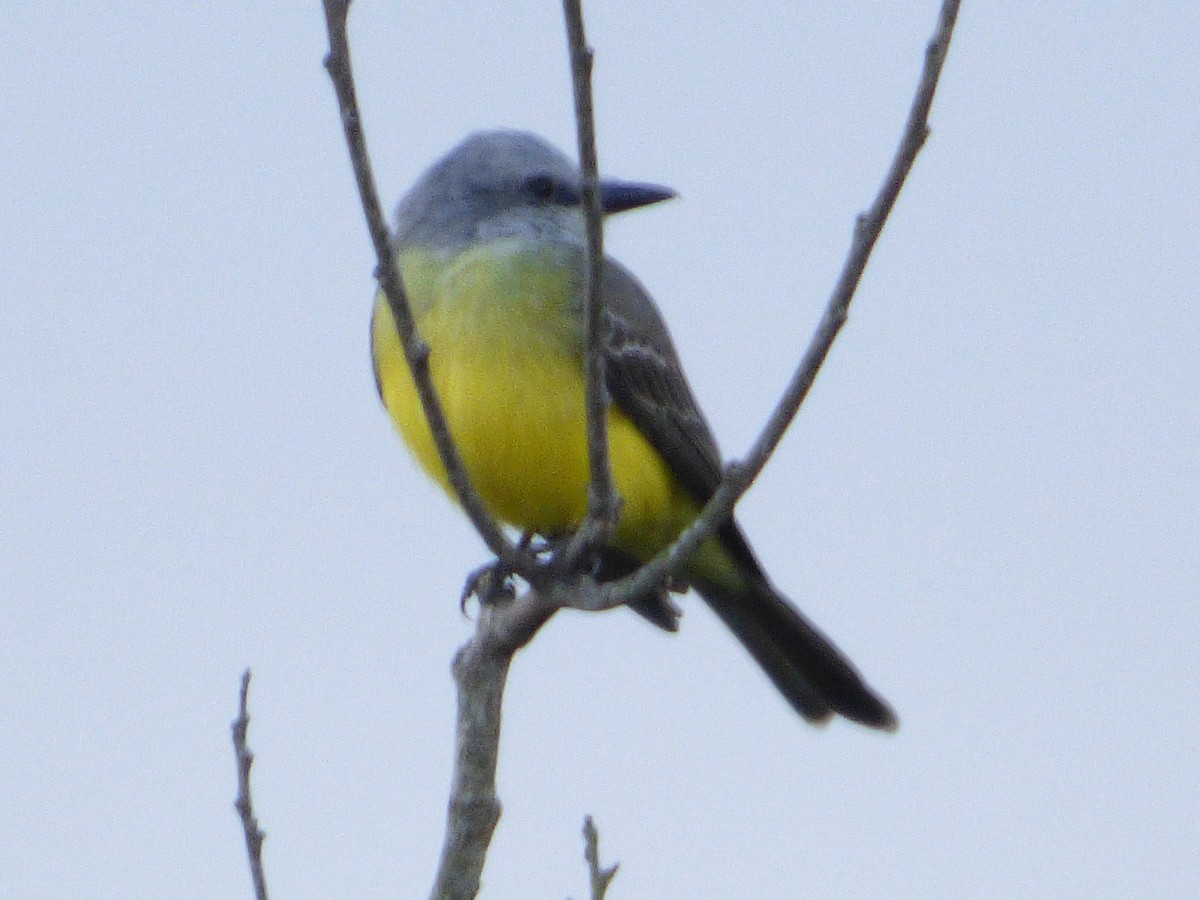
point(506, 359)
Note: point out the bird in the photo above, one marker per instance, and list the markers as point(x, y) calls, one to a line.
point(490, 243)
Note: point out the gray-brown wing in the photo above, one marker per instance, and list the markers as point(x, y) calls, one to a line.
point(647, 383)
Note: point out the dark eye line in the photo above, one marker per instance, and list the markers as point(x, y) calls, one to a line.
point(540, 187)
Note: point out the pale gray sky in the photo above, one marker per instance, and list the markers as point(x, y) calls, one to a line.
point(992, 501)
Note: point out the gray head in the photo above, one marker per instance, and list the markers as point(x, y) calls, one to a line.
point(505, 183)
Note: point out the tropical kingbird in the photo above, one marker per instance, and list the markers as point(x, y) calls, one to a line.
point(491, 247)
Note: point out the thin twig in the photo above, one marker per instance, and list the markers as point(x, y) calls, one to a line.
point(600, 878)
point(416, 351)
point(244, 804)
point(603, 502)
point(739, 476)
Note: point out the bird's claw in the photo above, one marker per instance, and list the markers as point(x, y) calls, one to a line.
point(491, 584)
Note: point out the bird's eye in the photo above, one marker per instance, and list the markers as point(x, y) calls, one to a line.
point(540, 187)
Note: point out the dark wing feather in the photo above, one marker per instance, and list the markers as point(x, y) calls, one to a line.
point(646, 382)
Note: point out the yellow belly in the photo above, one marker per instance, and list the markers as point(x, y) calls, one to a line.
point(506, 361)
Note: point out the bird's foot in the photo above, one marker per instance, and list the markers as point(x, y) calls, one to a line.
point(492, 584)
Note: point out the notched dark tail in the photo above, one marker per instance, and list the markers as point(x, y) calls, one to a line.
point(804, 665)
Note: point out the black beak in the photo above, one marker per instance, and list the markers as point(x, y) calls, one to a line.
point(620, 196)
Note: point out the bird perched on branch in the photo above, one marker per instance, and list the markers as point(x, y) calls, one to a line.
point(491, 246)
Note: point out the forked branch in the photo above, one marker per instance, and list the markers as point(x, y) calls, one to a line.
point(481, 666)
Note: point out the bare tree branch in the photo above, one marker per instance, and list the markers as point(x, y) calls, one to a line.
point(481, 666)
point(739, 476)
point(603, 502)
point(416, 351)
point(244, 804)
point(480, 672)
point(600, 878)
